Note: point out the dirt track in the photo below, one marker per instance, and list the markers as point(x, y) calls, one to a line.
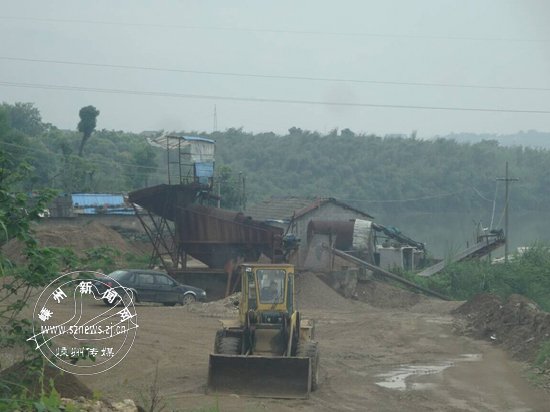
point(359, 344)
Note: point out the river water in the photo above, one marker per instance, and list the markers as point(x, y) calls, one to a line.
point(447, 233)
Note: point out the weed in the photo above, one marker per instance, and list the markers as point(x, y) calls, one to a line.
point(542, 360)
point(153, 399)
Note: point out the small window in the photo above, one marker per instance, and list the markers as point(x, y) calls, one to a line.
point(119, 275)
point(163, 280)
point(272, 285)
point(145, 279)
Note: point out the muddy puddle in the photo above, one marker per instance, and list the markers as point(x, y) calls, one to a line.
point(399, 378)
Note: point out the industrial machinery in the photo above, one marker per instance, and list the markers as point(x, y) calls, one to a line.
point(269, 351)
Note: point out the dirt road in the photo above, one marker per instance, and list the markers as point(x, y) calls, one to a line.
point(405, 359)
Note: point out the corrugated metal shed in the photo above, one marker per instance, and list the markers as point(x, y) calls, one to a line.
point(284, 208)
point(278, 208)
point(294, 213)
point(96, 199)
point(175, 141)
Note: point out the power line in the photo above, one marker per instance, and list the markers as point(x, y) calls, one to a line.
point(434, 196)
point(264, 100)
point(271, 76)
point(275, 31)
point(480, 195)
point(440, 195)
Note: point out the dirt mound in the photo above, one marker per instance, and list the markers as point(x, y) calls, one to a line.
point(516, 323)
point(314, 293)
point(480, 304)
point(87, 236)
point(227, 307)
point(66, 384)
point(78, 236)
point(383, 295)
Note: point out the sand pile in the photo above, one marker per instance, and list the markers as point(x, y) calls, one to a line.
point(515, 323)
point(311, 293)
point(384, 295)
point(314, 293)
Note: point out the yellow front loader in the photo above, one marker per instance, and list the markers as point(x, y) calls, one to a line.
point(269, 351)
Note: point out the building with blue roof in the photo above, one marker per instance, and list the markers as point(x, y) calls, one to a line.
point(100, 203)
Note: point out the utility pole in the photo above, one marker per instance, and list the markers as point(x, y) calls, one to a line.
point(506, 179)
point(219, 192)
point(241, 192)
point(215, 128)
point(244, 192)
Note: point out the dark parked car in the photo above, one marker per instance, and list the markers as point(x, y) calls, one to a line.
point(145, 286)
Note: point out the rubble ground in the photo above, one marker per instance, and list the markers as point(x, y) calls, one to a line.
point(362, 347)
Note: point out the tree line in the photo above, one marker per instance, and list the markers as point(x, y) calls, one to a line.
point(386, 174)
point(374, 173)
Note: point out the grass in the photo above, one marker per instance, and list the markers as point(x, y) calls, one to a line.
point(528, 275)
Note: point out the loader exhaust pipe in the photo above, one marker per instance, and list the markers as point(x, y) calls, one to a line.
point(260, 376)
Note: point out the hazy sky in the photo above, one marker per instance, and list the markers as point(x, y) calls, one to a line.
point(502, 45)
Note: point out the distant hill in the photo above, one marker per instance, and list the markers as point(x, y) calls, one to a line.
point(530, 138)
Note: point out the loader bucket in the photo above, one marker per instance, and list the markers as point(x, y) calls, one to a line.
point(260, 376)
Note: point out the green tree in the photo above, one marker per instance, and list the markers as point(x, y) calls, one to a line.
point(13, 142)
point(86, 126)
point(17, 211)
point(347, 133)
point(77, 174)
point(144, 163)
point(229, 188)
point(25, 118)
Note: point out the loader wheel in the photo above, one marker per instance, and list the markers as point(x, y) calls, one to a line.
point(218, 341)
point(230, 345)
point(310, 350)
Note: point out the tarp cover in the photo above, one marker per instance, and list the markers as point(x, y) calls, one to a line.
point(199, 149)
point(362, 235)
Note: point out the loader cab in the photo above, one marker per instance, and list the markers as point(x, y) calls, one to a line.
point(267, 289)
